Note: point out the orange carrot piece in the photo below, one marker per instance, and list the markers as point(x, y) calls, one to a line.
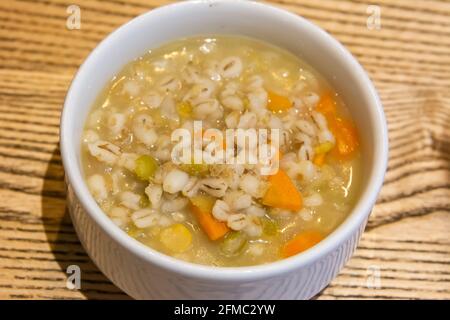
point(282, 193)
point(202, 209)
point(343, 130)
point(319, 159)
point(300, 243)
point(327, 106)
point(346, 137)
point(277, 103)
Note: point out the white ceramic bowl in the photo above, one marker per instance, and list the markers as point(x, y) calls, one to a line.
point(145, 273)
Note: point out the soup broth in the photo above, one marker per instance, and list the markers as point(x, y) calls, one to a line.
point(222, 214)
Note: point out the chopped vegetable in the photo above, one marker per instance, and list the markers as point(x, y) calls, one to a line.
point(277, 103)
point(177, 238)
point(346, 137)
point(195, 169)
point(282, 193)
point(327, 106)
point(300, 243)
point(343, 130)
point(146, 167)
point(270, 227)
point(184, 109)
point(233, 244)
point(202, 210)
point(323, 147)
point(320, 153)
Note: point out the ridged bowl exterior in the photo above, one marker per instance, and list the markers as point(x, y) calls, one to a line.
point(141, 280)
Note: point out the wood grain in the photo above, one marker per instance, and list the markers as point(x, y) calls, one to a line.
point(407, 239)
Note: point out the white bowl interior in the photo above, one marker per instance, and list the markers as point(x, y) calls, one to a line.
point(259, 21)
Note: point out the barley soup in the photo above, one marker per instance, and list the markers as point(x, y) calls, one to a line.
point(222, 214)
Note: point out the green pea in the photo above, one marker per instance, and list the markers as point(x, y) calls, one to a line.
point(146, 167)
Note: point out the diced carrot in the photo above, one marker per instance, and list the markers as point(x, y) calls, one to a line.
point(300, 243)
point(202, 210)
point(346, 137)
point(282, 193)
point(319, 159)
point(320, 153)
point(327, 106)
point(277, 103)
point(343, 130)
point(324, 147)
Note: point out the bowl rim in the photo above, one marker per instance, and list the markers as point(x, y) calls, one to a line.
point(350, 226)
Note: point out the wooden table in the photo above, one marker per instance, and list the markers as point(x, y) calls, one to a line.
point(405, 251)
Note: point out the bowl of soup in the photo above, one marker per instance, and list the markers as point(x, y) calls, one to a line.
point(221, 150)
